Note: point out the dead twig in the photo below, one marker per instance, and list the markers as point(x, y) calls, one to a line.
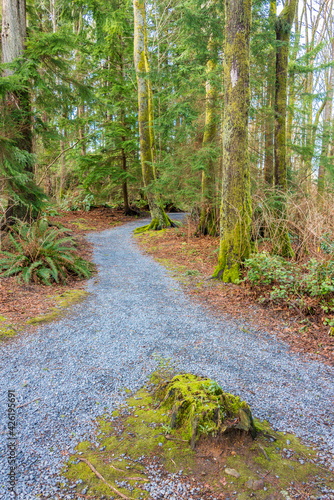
point(92, 468)
point(129, 478)
point(28, 403)
point(174, 439)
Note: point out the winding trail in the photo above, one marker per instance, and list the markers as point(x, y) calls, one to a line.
point(80, 365)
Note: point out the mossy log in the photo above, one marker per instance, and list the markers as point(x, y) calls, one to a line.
point(199, 406)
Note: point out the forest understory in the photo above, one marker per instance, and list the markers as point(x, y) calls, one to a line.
point(113, 111)
point(192, 259)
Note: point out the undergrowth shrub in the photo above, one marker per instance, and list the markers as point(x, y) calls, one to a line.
point(77, 201)
point(307, 287)
point(42, 254)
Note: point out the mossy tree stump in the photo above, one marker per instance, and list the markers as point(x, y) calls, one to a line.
point(199, 406)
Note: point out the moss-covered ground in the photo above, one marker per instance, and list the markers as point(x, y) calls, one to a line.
point(9, 329)
point(274, 465)
point(63, 301)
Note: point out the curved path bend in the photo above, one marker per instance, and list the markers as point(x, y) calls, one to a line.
point(80, 365)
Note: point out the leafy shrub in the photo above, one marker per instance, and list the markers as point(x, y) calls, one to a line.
point(41, 253)
point(292, 283)
point(318, 280)
point(265, 269)
point(327, 245)
point(74, 202)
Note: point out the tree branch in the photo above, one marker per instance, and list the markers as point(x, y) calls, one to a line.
point(57, 158)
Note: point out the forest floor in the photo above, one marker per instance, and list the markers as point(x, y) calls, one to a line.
point(192, 259)
point(83, 401)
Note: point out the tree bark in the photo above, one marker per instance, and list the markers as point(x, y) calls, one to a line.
point(325, 153)
point(283, 30)
point(145, 117)
point(208, 218)
point(235, 215)
point(269, 126)
point(13, 42)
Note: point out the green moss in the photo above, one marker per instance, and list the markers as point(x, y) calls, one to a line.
point(7, 330)
point(83, 226)
point(64, 301)
point(142, 427)
point(236, 211)
point(199, 406)
point(158, 223)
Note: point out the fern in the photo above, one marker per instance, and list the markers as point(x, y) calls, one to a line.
point(42, 254)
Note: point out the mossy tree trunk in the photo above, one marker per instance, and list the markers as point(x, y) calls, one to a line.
point(292, 96)
point(283, 30)
point(270, 98)
point(13, 42)
point(208, 219)
point(145, 117)
point(326, 131)
point(235, 215)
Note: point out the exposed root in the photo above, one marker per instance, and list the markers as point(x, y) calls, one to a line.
point(156, 225)
point(92, 468)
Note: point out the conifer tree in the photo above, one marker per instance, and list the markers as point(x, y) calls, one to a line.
point(16, 141)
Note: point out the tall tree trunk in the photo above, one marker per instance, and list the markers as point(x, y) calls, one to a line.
point(62, 179)
point(269, 139)
point(208, 219)
point(81, 116)
point(235, 216)
point(145, 118)
point(269, 126)
point(127, 209)
point(283, 30)
point(325, 153)
point(292, 97)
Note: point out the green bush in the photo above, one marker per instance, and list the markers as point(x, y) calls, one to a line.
point(292, 282)
point(265, 269)
point(39, 253)
point(74, 203)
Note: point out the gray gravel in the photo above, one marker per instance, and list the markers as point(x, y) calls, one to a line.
point(80, 365)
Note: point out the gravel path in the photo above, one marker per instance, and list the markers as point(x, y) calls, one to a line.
point(80, 365)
